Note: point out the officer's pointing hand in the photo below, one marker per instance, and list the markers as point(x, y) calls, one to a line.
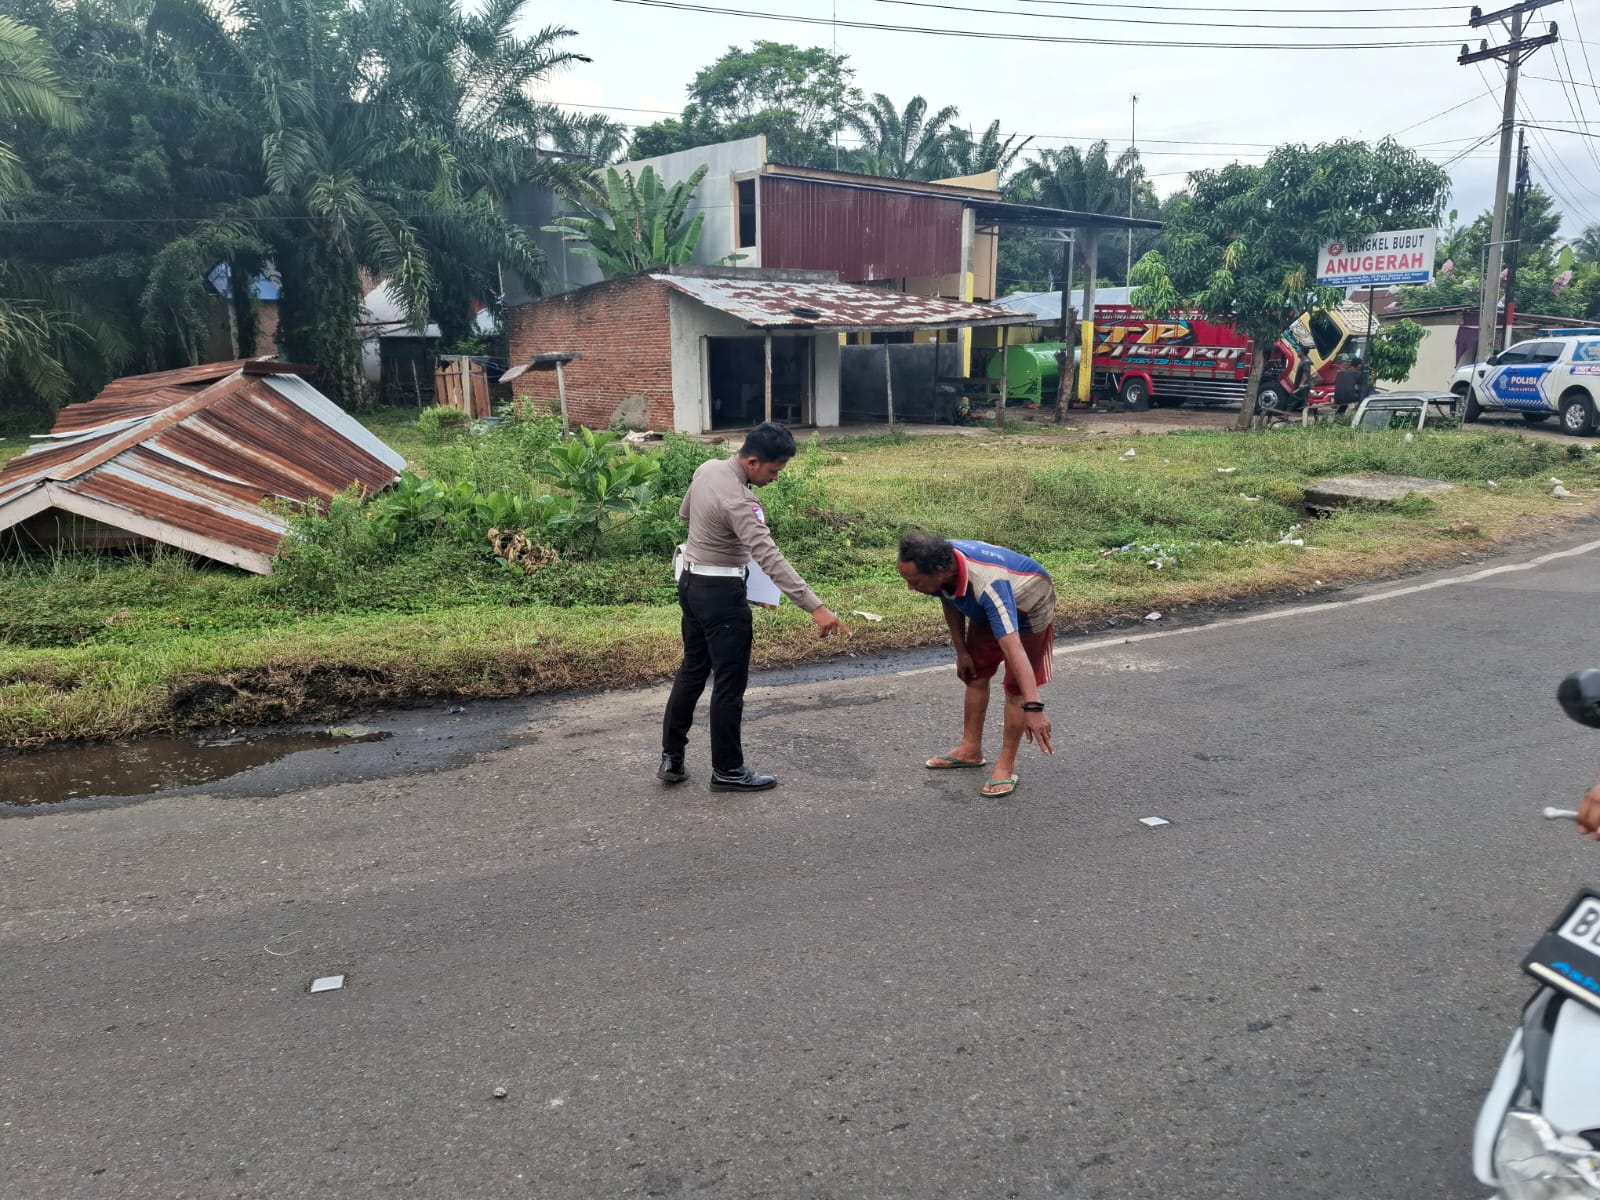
point(827, 623)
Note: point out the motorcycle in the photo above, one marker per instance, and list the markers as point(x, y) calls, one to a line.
point(1538, 1133)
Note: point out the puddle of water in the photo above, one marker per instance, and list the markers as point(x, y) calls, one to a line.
point(151, 765)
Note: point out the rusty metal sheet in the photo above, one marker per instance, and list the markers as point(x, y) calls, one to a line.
point(776, 304)
point(211, 445)
point(860, 233)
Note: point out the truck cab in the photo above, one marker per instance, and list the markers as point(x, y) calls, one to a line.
point(1332, 342)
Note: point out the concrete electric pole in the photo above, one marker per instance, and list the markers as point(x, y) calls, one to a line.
point(1133, 144)
point(1513, 52)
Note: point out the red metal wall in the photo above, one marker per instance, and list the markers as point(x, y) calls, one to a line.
point(861, 234)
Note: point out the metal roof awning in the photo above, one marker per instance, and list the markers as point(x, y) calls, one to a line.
point(835, 307)
point(1035, 216)
point(540, 362)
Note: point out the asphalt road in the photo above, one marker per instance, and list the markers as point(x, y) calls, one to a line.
point(867, 983)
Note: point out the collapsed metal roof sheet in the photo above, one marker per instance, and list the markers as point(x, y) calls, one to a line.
point(187, 457)
point(825, 307)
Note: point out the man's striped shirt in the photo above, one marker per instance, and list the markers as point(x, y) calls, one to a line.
point(1010, 591)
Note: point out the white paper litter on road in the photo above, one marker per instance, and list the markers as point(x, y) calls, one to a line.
point(1153, 821)
point(1128, 454)
point(1152, 616)
point(865, 616)
point(328, 983)
point(1226, 470)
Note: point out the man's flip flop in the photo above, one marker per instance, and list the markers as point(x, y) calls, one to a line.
point(946, 762)
point(996, 788)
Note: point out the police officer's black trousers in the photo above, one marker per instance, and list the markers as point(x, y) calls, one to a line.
point(716, 640)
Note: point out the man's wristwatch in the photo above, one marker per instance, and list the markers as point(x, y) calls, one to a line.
point(1033, 706)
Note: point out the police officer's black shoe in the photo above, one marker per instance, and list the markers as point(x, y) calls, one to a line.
point(672, 769)
point(742, 780)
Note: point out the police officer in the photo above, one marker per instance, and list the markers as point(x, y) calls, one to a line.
point(727, 528)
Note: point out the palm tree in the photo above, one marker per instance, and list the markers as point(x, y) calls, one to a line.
point(30, 90)
point(1083, 181)
point(1586, 246)
point(904, 145)
point(637, 225)
point(594, 139)
point(988, 153)
point(36, 328)
point(389, 134)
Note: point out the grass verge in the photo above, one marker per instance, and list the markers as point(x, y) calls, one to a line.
point(95, 648)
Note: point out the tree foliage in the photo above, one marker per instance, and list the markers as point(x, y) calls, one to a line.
point(326, 137)
point(966, 155)
point(1243, 244)
point(636, 225)
point(1552, 279)
point(799, 98)
point(902, 144)
point(1088, 180)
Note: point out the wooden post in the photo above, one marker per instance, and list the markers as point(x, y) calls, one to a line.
point(1067, 383)
point(888, 384)
point(1005, 374)
point(769, 377)
point(561, 395)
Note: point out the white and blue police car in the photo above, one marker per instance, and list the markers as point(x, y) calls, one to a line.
point(1556, 373)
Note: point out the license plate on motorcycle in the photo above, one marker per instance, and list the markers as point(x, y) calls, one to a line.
point(1568, 955)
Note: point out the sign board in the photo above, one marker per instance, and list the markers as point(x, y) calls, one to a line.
point(1382, 260)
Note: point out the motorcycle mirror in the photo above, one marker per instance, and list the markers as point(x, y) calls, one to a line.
point(1579, 694)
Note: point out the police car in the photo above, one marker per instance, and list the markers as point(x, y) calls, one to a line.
point(1557, 372)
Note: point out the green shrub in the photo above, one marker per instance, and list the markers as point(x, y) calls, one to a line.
point(501, 458)
point(441, 421)
point(680, 456)
point(607, 480)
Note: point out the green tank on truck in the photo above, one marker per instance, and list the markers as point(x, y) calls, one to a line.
point(1032, 373)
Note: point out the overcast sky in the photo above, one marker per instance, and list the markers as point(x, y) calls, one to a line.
point(1199, 106)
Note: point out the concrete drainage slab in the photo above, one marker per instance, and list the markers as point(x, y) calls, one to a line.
point(1371, 489)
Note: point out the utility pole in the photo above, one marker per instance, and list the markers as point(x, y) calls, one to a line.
point(1518, 208)
point(1133, 144)
point(1513, 52)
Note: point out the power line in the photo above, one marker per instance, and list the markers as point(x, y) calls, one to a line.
point(1038, 38)
point(1234, 9)
point(1191, 23)
point(1445, 113)
point(1575, 103)
point(1553, 79)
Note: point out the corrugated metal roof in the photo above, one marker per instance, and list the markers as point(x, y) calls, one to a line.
point(1046, 306)
point(779, 304)
point(211, 444)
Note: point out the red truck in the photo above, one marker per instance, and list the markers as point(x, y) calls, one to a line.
point(1141, 360)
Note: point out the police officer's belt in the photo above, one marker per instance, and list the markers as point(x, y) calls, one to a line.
point(707, 569)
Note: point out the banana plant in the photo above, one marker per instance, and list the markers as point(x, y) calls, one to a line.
point(636, 225)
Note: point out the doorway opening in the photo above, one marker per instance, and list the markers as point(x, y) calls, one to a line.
point(737, 370)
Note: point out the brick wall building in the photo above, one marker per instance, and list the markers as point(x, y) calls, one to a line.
point(623, 328)
point(698, 349)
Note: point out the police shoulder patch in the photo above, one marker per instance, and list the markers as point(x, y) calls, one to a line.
point(760, 516)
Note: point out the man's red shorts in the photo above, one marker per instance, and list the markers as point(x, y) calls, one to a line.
point(987, 655)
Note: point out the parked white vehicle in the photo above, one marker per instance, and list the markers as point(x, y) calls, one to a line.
point(1557, 373)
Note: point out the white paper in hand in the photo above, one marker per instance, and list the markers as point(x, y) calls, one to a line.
point(759, 588)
